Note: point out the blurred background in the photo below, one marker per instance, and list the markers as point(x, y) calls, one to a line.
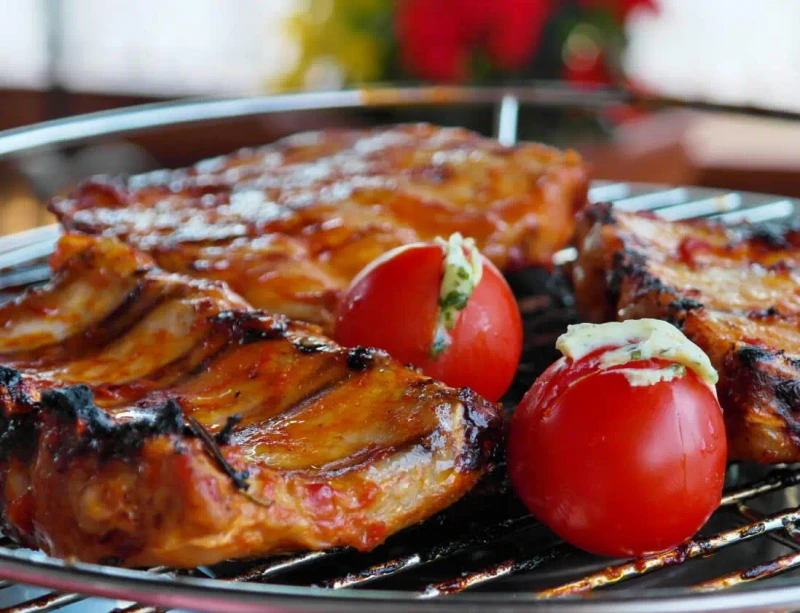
point(61, 58)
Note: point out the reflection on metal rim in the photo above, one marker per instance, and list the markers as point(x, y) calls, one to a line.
point(219, 595)
point(223, 596)
point(22, 254)
point(143, 117)
point(80, 128)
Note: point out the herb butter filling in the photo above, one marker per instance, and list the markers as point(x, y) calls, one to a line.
point(461, 272)
point(638, 339)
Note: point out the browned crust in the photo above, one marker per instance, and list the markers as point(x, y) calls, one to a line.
point(617, 276)
point(156, 467)
point(322, 205)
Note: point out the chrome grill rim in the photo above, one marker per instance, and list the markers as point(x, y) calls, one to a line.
point(223, 595)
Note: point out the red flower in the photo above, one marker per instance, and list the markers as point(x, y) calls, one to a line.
point(437, 36)
point(515, 31)
point(431, 39)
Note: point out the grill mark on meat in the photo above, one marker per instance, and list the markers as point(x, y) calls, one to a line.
point(115, 471)
point(18, 435)
point(748, 326)
point(356, 460)
point(183, 364)
point(360, 358)
point(182, 369)
point(773, 237)
point(95, 431)
point(750, 355)
point(19, 417)
point(788, 392)
point(379, 188)
point(311, 345)
point(472, 420)
point(685, 304)
point(193, 362)
point(252, 326)
point(247, 327)
point(625, 263)
point(764, 314)
point(12, 386)
point(305, 402)
point(218, 345)
point(224, 326)
point(600, 212)
point(482, 430)
point(136, 306)
point(145, 298)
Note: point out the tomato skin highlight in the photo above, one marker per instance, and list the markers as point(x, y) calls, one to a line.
point(393, 304)
point(617, 469)
point(486, 342)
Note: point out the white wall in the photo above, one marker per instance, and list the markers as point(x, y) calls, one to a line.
point(737, 51)
point(23, 53)
point(148, 46)
point(742, 51)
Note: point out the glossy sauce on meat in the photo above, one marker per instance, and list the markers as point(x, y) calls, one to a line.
point(289, 225)
point(116, 375)
point(734, 291)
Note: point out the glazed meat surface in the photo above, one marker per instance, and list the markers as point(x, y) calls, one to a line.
point(289, 225)
point(152, 419)
point(734, 291)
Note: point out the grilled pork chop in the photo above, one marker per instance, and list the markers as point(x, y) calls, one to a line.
point(289, 225)
point(152, 419)
point(734, 291)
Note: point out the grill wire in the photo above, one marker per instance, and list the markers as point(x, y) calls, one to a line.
point(545, 315)
point(490, 522)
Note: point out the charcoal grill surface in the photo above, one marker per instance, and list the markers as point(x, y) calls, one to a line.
point(485, 552)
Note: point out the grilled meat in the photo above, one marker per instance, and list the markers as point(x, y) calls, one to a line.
point(289, 225)
point(734, 291)
point(152, 419)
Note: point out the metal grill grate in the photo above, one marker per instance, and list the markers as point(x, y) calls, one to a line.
point(487, 533)
point(485, 544)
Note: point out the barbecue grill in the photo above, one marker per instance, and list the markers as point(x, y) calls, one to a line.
point(485, 552)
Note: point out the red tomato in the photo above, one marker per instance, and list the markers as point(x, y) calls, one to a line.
point(393, 304)
point(617, 469)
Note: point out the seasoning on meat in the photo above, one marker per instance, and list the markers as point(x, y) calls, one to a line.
point(155, 419)
point(289, 225)
point(733, 291)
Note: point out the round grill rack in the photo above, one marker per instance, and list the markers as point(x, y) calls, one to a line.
point(485, 551)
